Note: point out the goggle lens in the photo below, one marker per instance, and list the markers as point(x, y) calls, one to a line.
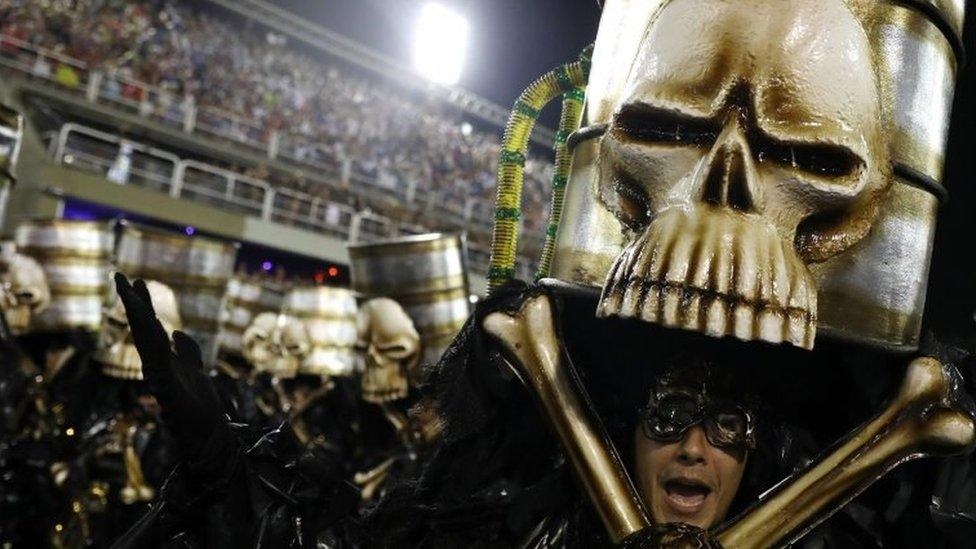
point(667, 420)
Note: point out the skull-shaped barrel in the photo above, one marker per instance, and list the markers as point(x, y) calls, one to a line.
point(77, 260)
point(768, 170)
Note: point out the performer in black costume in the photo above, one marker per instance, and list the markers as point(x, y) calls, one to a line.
point(521, 492)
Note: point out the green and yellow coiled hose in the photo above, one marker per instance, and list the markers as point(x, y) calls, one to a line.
point(567, 79)
point(569, 122)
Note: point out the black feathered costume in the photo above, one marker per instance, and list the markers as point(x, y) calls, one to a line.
point(497, 478)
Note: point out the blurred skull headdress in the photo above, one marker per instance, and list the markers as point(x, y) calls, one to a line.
point(25, 291)
point(390, 347)
point(276, 344)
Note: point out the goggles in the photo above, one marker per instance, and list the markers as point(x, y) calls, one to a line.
point(670, 412)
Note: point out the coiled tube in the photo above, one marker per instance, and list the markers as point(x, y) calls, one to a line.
point(569, 122)
point(511, 161)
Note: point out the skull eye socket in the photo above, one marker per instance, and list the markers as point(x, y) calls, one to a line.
point(634, 210)
point(117, 323)
point(395, 351)
point(820, 159)
point(641, 122)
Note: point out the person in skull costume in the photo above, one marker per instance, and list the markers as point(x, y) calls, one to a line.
point(453, 504)
point(28, 496)
point(210, 443)
point(111, 452)
point(398, 427)
point(731, 141)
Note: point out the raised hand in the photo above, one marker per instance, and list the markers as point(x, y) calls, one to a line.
point(190, 405)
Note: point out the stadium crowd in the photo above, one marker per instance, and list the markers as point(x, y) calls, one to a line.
point(326, 112)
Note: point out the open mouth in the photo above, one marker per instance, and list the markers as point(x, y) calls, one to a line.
point(686, 496)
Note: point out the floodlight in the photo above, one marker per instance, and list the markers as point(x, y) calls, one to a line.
point(440, 43)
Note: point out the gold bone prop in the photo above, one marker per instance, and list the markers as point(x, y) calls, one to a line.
point(369, 481)
point(136, 489)
point(529, 337)
point(296, 411)
point(924, 419)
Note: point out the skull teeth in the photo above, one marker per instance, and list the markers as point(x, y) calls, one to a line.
point(715, 315)
point(715, 272)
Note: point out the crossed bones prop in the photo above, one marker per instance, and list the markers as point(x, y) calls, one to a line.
point(928, 417)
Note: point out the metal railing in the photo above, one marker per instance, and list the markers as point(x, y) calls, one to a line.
point(128, 162)
point(119, 160)
point(116, 89)
point(222, 188)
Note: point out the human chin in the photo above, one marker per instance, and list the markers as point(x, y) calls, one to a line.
point(684, 498)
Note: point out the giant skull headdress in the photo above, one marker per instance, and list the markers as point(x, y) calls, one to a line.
point(390, 347)
point(735, 160)
point(276, 344)
point(24, 291)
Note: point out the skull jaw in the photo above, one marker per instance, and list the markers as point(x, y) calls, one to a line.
point(715, 271)
point(18, 318)
point(384, 381)
point(120, 360)
point(283, 367)
point(257, 357)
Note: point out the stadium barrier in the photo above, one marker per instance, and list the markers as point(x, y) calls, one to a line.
point(128, 162)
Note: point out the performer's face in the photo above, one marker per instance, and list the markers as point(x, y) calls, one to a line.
point(688, 480)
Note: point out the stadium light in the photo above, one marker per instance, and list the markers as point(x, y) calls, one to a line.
point(440, 44)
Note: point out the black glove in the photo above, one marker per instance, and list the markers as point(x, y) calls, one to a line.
point(190, 405)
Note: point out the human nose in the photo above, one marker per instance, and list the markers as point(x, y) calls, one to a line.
point(691, 449)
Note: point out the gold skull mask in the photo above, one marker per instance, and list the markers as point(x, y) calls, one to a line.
point(276, 344)
point(24, 290)
point(749, 143)
point(257, 340)
point(390, 347)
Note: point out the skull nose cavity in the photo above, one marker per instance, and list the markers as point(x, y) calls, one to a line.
point(727, 181)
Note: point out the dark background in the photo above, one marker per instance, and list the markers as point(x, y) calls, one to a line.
point(952, 282)
point(511, 42)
